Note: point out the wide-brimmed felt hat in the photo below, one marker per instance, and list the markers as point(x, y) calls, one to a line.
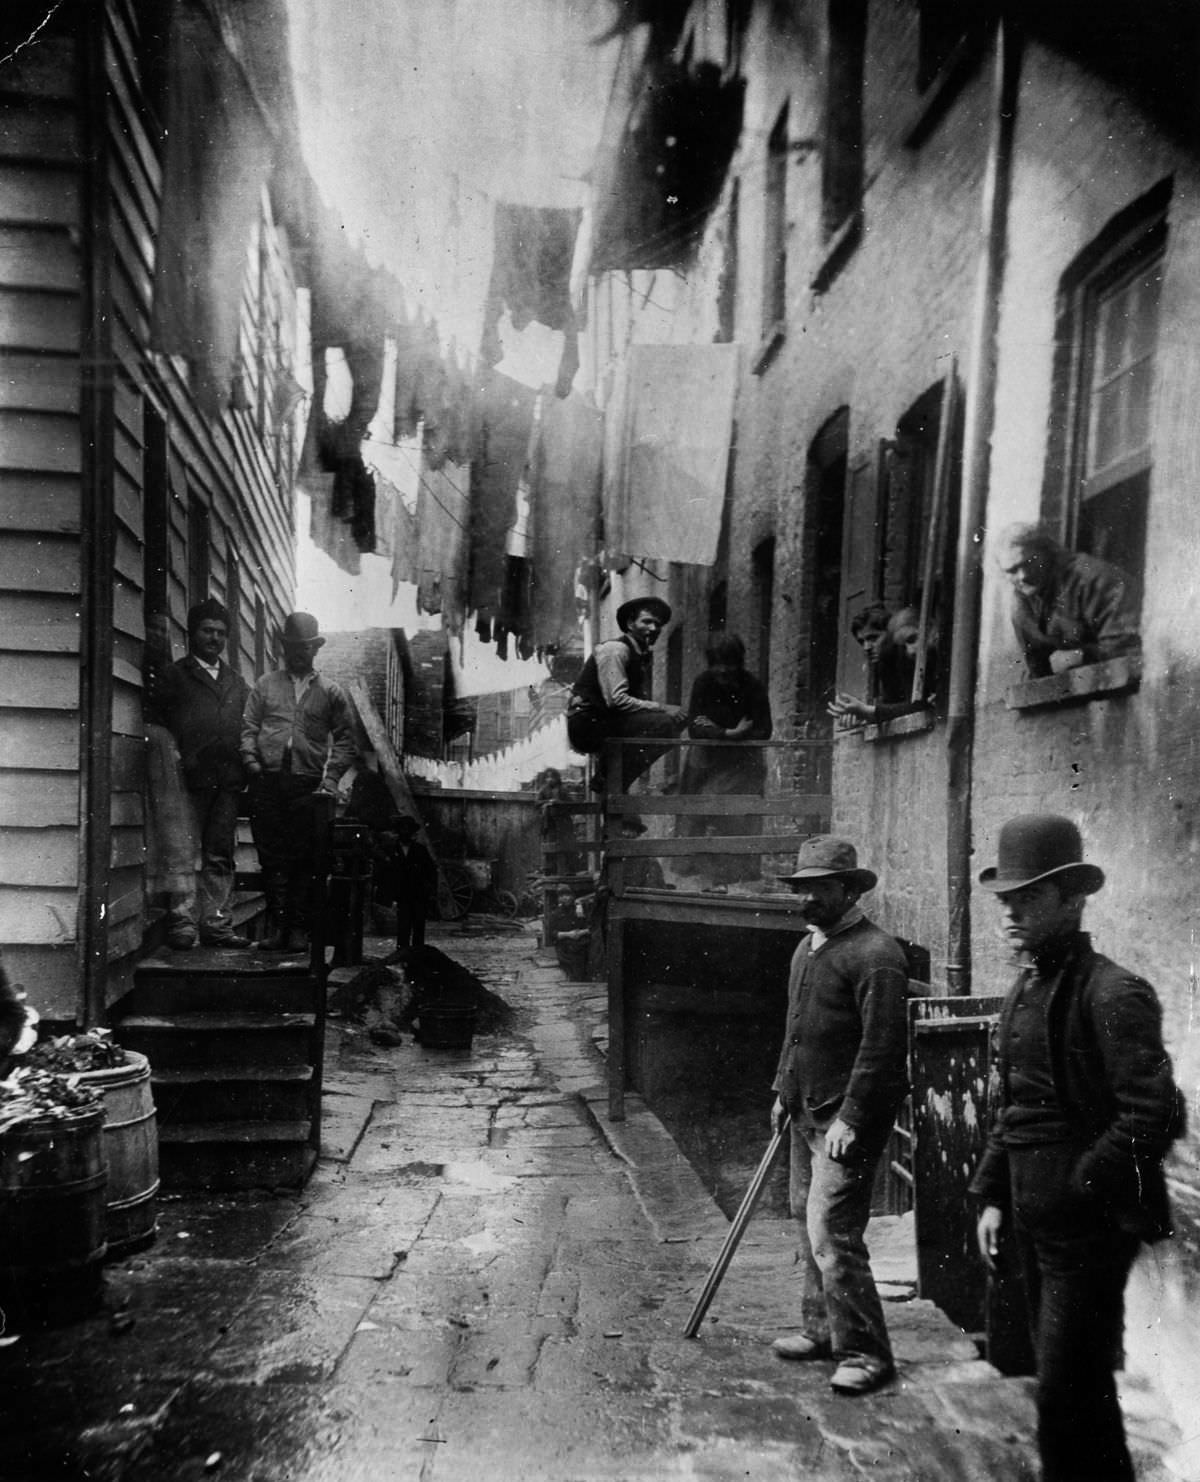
point(629, 610)
point(406, 824)
point(1040, 846)
point(301, 627)
point(823, 857)
point(633, 821)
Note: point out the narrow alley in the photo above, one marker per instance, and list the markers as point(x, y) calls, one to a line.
point(486, 1278)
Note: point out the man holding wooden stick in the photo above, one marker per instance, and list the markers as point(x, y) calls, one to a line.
point(842, 1075)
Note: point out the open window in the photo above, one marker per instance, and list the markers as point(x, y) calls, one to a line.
point(1099, 466)
point(1107, 339)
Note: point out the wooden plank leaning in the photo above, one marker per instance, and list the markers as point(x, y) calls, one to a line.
point(736, 1230)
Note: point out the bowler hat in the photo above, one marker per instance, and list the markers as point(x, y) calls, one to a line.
point(1040, 846)
point(629, 610)
point(406, 824)
point(821, 857)
point(634, 822)
point(301, 627)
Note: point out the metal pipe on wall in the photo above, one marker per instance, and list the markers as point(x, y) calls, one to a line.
point(977, 448)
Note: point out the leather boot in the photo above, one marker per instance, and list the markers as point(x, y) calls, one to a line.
point(299, 895)
point(276, 891)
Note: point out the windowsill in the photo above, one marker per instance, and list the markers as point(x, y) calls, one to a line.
point(1089, 682)
point(935, 100)
point(838, 251)
point(915, 723)
point(767, 351)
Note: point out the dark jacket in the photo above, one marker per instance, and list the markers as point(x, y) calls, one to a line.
point(405, 878)
point(845, 1046)
point(1091, 605)
point(205, 717)
point(1114, 1083)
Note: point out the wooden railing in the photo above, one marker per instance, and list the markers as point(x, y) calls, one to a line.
point(788, 818)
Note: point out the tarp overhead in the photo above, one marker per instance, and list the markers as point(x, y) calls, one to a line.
point(667, 452)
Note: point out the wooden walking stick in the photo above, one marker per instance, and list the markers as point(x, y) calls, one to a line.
point(736, 1230)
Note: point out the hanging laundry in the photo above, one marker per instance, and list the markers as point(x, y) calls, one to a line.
point(667, 437)
point(564, 512)
point(531, 277)
point(442, 516)
point(218, 156)
point(506, 419)
point(327, 532)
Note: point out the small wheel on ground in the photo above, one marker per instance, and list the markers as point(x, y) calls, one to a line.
point(454, 893)
point(506, 903)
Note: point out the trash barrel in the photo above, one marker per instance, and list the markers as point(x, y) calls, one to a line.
point(131, 1149)
point(448, 1026)
point(53, 1181)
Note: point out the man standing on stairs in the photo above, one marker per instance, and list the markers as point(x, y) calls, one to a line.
point(297, 741)
point(201, 699)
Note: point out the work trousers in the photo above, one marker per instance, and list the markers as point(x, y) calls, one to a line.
point(214, 812)
point(588, 732)
point(832, 1203)
point(1074, 1265)
point(283, 820)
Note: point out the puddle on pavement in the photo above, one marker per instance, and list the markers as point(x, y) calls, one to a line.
point(478, 1176)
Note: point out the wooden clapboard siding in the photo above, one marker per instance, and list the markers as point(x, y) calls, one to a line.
point(40, 681)
point(38, 741)
point(41, 856)
point(40, 197)
point(33, 562)
point(34, 256)
point(42, 72)
point(42, 442)
point(39, 503)
point(34, 800)
point(38, 383)
point(38, 917)
point(48, 974)
point(55, 479)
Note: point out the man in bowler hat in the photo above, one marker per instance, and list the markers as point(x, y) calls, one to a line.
point(841, 1078)
point(609, 699)
point(1073, 1166)
point(297, 742)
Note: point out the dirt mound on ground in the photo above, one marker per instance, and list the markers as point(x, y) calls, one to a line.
point(388, 996)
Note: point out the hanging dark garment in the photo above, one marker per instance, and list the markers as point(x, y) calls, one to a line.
point(564, 513)
point(500, 458)
point(218, 155)
point(531, 277)
point(656, 187)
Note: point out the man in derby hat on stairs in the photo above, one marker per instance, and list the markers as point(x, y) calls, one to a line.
point(609, 699)
point(1088, 1109)
point(841, 1078)
point(297, 742)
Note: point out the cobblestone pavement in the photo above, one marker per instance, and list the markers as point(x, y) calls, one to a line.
point(486, 1280)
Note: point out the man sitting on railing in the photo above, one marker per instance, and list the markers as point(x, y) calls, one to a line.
point(608, 700)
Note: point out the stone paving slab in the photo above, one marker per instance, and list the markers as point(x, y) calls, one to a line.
point(486, 1281)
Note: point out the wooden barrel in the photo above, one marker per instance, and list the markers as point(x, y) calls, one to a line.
point(446, 1026)
point(131, 1147)
point(52, 1220)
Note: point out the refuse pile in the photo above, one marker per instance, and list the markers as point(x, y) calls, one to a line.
point(71, 1054)
point(388, 998)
